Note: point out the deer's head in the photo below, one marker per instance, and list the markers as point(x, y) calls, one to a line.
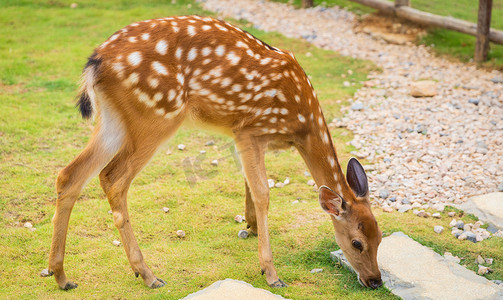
point(356, 229)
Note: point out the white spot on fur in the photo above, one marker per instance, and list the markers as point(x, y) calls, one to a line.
point(331, 161)
point(225, 82)
point(171, 95)
point(132, 39)
point(271, 92)
point(191, 30)
point(240, 44)
point(153, 82)
point(180, 78)
point(301, 118)
point(206, 27)
point(236, 88)
point(159, 68)
point(161, 47)
point(221, 27)
point(145, 36)
point(281, 96)
point(220, 50)
point(134, 58)
point(132, 79)
point(206, 51)
point(297, 98)
point(178, 53)
point(158, 96)
point(284, 111)
point(233, 58)
point(192, 54)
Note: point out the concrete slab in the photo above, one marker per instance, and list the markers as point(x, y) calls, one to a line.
point(413, 271)
point(231, 289)
point(488, 208)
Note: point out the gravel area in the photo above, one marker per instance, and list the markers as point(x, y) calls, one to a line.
point(425, 151)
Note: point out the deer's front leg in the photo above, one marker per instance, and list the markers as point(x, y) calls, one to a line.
point(250, 215)
point(252, 151)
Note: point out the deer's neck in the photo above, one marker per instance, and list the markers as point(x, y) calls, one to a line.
point(319, 154)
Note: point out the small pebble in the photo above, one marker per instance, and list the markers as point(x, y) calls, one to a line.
point(482, 270)
point(295, 202)
point(438, 229)
point(180, 233)
point(165, 209)
point(462, 236)
point(489, 261)
point(270, 182)
point(500, 187)
point(480, 260)
point(239, 218)
point(214, 162)
point(453, 223)
point(74, 5)
point(180, 147)
point(210, 143)
point(110, 212)
point(474, 101)
point(287, 181)
point(316, 271)
point(460, 224)
point(357, 106)
point(383, 194)
point(436, 215)
point(28, 225)
point(243, 234)
point(311, 182)
point(279, 184)
point(471, 236)
point(202, 151)
point(45, 273)
point(116, 243)
point(451, 214)
point(387, 209)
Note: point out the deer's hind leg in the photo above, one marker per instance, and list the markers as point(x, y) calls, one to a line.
point(71, 180)
point(115, 180)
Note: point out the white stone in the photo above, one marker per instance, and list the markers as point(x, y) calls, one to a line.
point(270, 182)
point(116, 243)
point(181, 147)
point(180, 233)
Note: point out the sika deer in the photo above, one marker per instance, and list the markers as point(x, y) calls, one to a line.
point(147, 78)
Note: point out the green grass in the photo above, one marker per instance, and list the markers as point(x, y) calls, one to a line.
point(445, 42)
point(43, 47)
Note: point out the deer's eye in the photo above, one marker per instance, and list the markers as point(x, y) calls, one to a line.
point(356, 244)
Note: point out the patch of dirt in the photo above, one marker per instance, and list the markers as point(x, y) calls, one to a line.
point(390, 29)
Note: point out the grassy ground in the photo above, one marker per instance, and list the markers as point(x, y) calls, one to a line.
point(43, 46)
point(445, 42)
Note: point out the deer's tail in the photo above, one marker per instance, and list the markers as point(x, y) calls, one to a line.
point(87, 96)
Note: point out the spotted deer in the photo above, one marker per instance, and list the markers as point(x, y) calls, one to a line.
point(151, 76)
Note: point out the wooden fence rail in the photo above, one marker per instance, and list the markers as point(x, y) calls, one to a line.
point(483, 32)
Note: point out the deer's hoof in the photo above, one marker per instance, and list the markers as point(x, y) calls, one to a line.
point(69, 286)
point(157, 283)
point(278, 284)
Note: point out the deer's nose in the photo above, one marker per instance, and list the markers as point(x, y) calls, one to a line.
point(375, 283)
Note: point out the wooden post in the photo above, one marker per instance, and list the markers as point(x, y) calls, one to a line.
point(399, 3)
point(483, 29)
point(307, 3)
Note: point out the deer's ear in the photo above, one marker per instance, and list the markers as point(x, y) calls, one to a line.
point(357, 179)
point(331, 202)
